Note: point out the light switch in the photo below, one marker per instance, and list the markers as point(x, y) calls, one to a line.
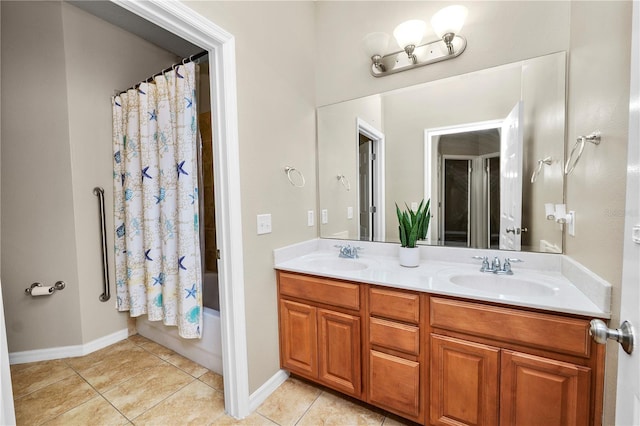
point(264, 224)
point(324, 216)
point(310, 218)
point(414, 206)
point(349, 212)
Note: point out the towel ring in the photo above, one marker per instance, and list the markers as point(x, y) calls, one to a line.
point(345, 182)
point(538, 169)
point(578, 148)
point(293, 171)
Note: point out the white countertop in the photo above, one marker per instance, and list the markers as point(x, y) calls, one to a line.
point(548, 283)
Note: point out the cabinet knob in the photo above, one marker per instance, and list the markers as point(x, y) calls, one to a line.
point(623, 335)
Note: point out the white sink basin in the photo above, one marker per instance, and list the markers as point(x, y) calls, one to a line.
point(335, 264)
point(503, 284)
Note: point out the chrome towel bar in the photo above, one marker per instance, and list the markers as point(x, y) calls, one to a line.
point(106, 295)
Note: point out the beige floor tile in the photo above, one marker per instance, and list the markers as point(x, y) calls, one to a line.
point(186, 365)
point(195, 404)
point(53, 400)
point(103, 355)
point(146, 389)
point(330, 409)
point(213, 379)
point(157, 350)
point(254, 419)
point(96, 411)
point(138, 339)
point(26, 378)
point(120, 368)
point(289, 402)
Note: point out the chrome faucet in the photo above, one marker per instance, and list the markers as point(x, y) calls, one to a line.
point(348, 251)
point(494, 267)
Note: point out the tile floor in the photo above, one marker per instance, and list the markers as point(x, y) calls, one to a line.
point(140, 382)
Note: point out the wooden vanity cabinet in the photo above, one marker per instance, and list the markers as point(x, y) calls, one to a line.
point(395, 355)
point(320, 330)
point(440, 360)
point(494, 365)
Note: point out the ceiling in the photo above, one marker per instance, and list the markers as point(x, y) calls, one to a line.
point(134, 24)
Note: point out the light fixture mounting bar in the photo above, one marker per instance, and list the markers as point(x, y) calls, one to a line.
point(425, 54)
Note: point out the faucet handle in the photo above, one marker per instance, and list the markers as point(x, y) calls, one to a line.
point(485, 263)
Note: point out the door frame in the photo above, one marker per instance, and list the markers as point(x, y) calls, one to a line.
point(378, 140)
point(431, 142)
point(191, 26)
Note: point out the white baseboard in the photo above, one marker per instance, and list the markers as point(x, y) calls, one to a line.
point(263, 392)
point(67, 351)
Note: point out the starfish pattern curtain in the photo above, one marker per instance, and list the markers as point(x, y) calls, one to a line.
point(155, 182)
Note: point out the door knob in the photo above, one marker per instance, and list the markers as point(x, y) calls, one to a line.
point(623, 335)
point(516, 231)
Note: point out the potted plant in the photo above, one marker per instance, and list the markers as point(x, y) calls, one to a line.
point(413, 227)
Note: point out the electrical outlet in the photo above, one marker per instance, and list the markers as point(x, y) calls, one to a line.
point(325, 216)
point(349, 212)
point(264, 224)
point(414, 206)
point(310, 218)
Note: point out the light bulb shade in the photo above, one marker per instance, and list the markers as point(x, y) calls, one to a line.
point(449, 20)
point(410, 32)
point(375, 44)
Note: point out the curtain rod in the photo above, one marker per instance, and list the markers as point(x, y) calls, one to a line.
point(191, 58)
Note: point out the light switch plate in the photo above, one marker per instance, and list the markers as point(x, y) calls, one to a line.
point(349, 212)
point(325, 216)
point(310, 218)
point(264, 224)
point(571, 222)
point(414, 206)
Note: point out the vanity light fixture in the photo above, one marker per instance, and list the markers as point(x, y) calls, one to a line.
point(446, 23)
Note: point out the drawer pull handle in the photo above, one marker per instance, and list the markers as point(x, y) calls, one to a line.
point(623, 335)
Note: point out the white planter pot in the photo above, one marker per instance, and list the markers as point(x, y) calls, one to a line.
point(409, 257)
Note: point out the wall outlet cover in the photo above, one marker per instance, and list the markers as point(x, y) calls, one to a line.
point(310, 218)
point(325, 216)
point(349, 212)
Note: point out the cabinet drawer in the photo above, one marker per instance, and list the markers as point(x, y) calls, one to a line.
point(545, 331)
point(321, 290)
point(393, 335)
point(398, 305)
point(394, 384)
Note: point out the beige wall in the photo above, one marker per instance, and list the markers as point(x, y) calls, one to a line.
point(599, 100)
point(38, 241)
point(276, 116)
point(60, 67)
point(498, 32)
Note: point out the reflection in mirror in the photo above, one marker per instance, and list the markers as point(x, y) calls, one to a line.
point(447, 140)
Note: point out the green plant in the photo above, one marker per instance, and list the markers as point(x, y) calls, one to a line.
point(414, 225)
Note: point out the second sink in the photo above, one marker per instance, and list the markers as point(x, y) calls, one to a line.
point(503, 284)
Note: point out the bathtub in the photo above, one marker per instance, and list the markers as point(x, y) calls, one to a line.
point(206, 351)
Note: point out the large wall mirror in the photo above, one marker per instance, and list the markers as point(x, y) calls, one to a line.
point(487, 148)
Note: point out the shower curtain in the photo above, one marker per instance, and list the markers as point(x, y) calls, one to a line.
point(155, 181)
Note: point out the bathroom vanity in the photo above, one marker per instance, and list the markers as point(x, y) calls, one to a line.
point(412, 342)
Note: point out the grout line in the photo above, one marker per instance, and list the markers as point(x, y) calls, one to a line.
point(310, 405)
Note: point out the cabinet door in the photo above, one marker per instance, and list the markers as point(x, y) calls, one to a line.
point(394, 384)
point(464, 382)
point(298, 338)
point(339, 351)
point(542, 391)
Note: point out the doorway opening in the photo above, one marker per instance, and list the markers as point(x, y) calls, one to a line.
point(371, 186)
